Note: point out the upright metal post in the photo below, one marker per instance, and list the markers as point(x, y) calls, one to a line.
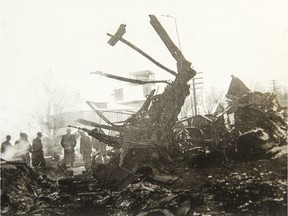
point(176, 26)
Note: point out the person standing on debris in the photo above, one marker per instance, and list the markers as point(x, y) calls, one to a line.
point(68, 142)
point(23, 148)
point(37, 151)
point(85, 149)
point(6, 145)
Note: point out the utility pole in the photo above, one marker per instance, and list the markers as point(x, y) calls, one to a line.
point(194, 96)
point(175, 21)
point(275, 85)
point(176, 28)
point(194, 88)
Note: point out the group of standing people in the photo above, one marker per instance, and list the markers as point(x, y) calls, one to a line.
point(68, 142)
point(22, 149)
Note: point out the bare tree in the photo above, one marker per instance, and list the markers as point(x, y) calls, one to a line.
point(54, 105)
point(211, 99)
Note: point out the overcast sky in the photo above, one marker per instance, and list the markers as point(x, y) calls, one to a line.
point(66, 40)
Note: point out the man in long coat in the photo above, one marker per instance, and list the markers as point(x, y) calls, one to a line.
point(85, 149)
point(68, 142)
point(37, 151)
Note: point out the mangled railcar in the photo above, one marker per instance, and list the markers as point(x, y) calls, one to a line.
point(150, 130)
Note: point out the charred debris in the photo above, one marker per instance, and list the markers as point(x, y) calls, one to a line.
point(231, 162)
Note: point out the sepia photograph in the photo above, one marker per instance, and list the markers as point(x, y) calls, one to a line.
point(143, 108)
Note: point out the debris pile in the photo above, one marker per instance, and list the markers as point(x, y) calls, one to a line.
point(246, 191)
point(230, 162)
point(253, 126)
point(25, 192)
point(256, 190)
point(258, 119)
point(136, 199)
point(152, 126)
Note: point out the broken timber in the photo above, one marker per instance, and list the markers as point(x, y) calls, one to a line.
point(96, 125)
point(100, 114)
point(153, 124)
point(124, 79)
point(114, 142)
point(118, 37)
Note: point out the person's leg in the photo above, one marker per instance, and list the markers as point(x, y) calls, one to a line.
point(87, 161)
point(72, 158)
point(66, 156)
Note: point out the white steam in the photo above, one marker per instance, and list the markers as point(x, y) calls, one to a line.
point(16, 151)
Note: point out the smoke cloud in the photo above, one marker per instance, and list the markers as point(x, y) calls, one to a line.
point(16, 151)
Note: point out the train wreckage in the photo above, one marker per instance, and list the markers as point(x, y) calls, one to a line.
point(227, 163)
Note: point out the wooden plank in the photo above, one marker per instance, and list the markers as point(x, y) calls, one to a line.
point(94, 124)
point(173, 49)
point(124, 79)
point(145, 55)
point(100, 114)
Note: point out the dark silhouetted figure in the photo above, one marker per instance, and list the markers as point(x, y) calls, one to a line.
point(37, 151)
point(85, 149)
point(68, 142)
point(6, 145)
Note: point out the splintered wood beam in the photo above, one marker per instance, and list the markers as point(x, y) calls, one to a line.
point(183, 65)
point(96, 125)
point(99, 134)
point(112, 141)
point(146, 104)
point(124, 112)
point(144, 107)
point(124, 79)
point(145, 55)
point(100, 114)
point(173, 49)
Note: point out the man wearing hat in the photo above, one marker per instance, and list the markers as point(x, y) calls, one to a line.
point(37, 152)
point(68, 142)
point(6, 145)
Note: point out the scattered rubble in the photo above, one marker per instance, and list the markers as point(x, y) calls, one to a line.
point(232, 162)
point(253, 126)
